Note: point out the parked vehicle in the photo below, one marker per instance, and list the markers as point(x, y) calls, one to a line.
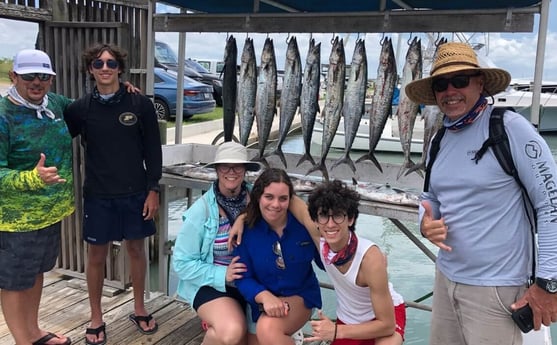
point(198, 97)
point(216, 79)
point(211, 65)
point(165, 57)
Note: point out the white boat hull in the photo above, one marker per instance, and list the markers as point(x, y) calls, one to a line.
point(389, 142)
point(521, 101)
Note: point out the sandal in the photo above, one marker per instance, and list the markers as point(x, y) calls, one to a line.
point(137, 319)
point(96, 332)
point(49, 336)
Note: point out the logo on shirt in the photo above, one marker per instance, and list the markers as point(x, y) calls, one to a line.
point(533, 149)
point(128, 119)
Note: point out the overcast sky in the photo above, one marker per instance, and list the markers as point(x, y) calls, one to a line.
point(513, 52)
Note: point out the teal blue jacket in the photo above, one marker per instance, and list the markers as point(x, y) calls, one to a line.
point(192, 257)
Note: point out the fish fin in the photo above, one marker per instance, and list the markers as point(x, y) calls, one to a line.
point(321, 167)
point(346, 160)
point(371, 157)
point(417, 168)
point(278, 152)
point(306, 157)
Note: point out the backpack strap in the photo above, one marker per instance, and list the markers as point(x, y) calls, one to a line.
point(433, 150)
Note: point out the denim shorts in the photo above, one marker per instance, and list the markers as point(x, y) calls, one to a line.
point(115, 219)
point(24, 255)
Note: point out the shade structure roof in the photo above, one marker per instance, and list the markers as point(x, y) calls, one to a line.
point(314, 6)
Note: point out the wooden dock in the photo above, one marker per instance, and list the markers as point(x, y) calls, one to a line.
point(64, 309)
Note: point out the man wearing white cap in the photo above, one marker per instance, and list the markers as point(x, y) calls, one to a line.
point(475, 212)
point(36, 185)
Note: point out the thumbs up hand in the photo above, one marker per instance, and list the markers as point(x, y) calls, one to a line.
point(49, 175)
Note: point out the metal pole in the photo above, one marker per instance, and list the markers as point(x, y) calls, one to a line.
point(538, 71)
point(180, 87)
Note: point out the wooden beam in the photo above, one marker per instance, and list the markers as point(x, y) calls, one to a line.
point(26, 13)
point(390, 22)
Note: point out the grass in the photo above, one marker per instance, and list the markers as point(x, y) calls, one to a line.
point(5, 67)
point(214, 115)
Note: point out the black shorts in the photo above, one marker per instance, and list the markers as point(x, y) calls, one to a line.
point(116, 219)
point(207, 294)
point(24, 255)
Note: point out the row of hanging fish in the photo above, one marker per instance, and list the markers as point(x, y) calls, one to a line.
point(252, 98)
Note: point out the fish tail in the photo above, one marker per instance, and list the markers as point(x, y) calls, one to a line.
point(306, 157)
point(345, 159)
point(417, 168)
point(321, 167)
point(369, 156)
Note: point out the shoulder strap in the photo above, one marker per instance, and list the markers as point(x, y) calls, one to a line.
point(433, 150)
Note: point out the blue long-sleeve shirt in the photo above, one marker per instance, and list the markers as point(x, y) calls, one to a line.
point(297, 278)
point(483, 208)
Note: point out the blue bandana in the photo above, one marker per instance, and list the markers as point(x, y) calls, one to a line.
point(467, 119)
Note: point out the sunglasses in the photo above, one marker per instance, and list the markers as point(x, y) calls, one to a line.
point(458, 82)
point(32, 76)
point(278, 252)
point(98, 64)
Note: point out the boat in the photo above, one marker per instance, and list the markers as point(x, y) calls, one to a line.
point(389, 142)
point(521, 101)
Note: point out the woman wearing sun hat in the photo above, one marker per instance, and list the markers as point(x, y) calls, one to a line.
point(474, 212)
point(201, 259)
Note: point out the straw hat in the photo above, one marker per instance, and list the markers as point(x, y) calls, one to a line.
point(454, 57)
point(233, 153)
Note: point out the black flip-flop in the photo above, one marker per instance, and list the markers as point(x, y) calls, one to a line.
point(44, 340)
point(137, 319)
point(96, 332)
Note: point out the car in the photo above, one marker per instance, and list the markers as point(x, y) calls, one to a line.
point(208, 78)
point(165, 57)
point(198, 97)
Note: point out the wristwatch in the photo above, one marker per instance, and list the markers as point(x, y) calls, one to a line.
point(155, 188)
point(549, 285)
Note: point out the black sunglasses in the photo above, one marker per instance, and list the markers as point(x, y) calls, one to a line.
point(458, 81)
point(32, 76)
point(98, 64)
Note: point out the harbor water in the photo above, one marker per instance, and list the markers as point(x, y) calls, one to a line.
point(410, 271)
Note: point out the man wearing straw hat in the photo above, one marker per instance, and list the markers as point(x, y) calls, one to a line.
point(475, 212)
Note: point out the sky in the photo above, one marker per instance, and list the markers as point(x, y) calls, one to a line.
point(514, 52)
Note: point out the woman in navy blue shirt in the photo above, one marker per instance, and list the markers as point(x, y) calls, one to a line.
point(280, 285)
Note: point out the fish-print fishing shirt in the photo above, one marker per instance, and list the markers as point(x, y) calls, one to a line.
point(258, 253)
point(26, 202)
point(482, 206)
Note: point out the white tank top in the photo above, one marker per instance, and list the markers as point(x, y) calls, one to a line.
point(354, 302)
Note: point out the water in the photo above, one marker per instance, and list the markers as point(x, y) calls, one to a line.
point(410, 271)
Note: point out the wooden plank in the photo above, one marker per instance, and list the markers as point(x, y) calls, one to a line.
point(26, 13)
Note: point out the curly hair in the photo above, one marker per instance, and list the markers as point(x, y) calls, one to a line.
point(334, 196)
point(94, 52)
point(268, 176)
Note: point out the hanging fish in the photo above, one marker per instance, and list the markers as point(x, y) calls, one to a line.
point(309, 99)
point(381, 103)
point(229, 86)
point(247, 86)
point(334, 100)
point(290, 95)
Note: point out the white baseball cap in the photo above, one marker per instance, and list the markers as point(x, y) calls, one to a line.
point(32, 61)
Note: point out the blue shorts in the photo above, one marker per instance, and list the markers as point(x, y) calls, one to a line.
point(24, 255)
point(116, 219)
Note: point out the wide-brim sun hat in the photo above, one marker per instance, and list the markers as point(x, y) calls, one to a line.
point(456, 57)
point(32, 61)
point(231, 152)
